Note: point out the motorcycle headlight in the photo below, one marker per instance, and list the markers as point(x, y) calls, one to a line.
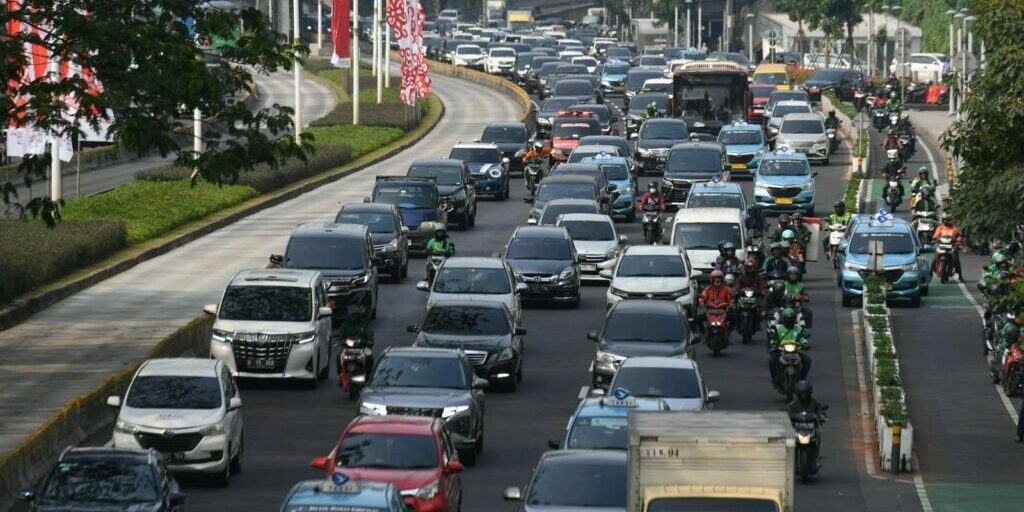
point(543, 120)
point(448, 412)
point(803, 438)
point(303, 337)
point(789, 348)
point(568, 273)
point(773, 130)
point(123, 427)
point(350, 342)
point(391, 246)
point(212, 429)
point(371, 409)
point(220, 335)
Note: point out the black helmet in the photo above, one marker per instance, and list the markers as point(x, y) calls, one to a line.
point(783, 219)
point(831, 113)
point(652, 186)
point(804, 389)
point(839, 207)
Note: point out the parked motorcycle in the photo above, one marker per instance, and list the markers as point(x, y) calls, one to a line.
point(944, 258)
point(1013, 370)
point(651, 223)
point(807, 426)
point(354, 365)
point(749, 306)
point(716, 330)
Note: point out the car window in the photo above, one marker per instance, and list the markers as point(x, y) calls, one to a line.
point(535, 248)
point(714, 200)
point(472, 280)
point(781, 111)
point(802, 127)
point(387, 451)
point(499, 134)
point(554, 105)
point(266, 304)
point(503, 52)
point(377, 222)
point(783, 168)
point(615, 172)
point(326, 252)
point(579, 484)
point(616, 68)
point(658, 382)
point(405, 196)
point(636, 79)
point(174, 392)
point(648, 265)
point(693, 160)
point(663, 131)
point(896, 242)
point(420, 372)
point(770, 78)
point(639, 326)
point(745, 137)
point(706, 235)
point(476, 155)
point(551, 191)
point(444, 174)
point(575, 128)
point(105, 482)
point(573, 88)
point(599, 433)
point(466, 321)
point(588, 230)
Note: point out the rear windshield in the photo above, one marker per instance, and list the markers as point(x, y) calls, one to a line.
point(476, 155)
point(504, 134)
point(653, 61)
point(405, 196)
point(326, 253)
point(651, 266)
point(575, 128)
point(444, 174)
point(551, 191)
point(770, 78)
point(636, 79)
point(663, 131)
point(466, 321)
point(711, 505)
point(599, 433)
point(658, 382)
point(503, 52)
point(783, 168)
point(638, 326)
point(706, 235)
point(174, 392)
point(616, 68)
point(387, 451)
point(639, 103)
point(783, 110)
point(693, 160)
point(557, 104)
point(377, 222)
point(551, 212)
point(267, 304)
point(600, 113)
point(714, 200)
point(573, 88)
point(588, 230)
point(740, 137)
point(579, 484)
point(486, 281)
point(892, 243)
point(536, 248)
point(114, 483)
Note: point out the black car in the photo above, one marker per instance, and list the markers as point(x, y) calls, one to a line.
point(544, 75)
point(689, 163)
point(655, 139)
point(640, 327)
point(418, 202)
point(840, 81)
point(606, 190)
point(548, 111)
point(579, 89)
point(513, 139)
point(575, 480)
point(543, 257)
point(531, 79)
point(343, 253)
point(485, 332)
point(522, 66)
point(635, 113)
point(390, 242)
point(106, 479)
point(636, 78)
point(603, 114)
point(455, 184)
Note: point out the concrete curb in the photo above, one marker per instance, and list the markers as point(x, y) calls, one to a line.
point(511, 89)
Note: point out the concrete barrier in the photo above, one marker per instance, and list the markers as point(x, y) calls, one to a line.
point(529, 115)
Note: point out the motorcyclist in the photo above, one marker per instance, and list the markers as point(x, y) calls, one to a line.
point(776, 263)
point(797, 291)
point(804, 401)
point(782, 225)
point(727, 262)
point(832, 121)
point(922, 180)
point(894, 104)
point(946, 228)
point(653, 194)
point(749, 278)
point(355, 332)
point(839, 214)
point(925, 201)
point(800, 228)
point(539, 150)
point(787, 329)
point(440, 245)
point(892, 140)
point(652, 112)
point(716, 295)
point(795, 255)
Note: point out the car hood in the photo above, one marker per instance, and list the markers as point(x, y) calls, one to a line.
point(657, 143)
point(802, 136)
point(548, 267)
point(613, 77)
point(642, 348)
point(743, 148)
point(684, 404)
point(594, 246)
point(650, 284)
point(888, 260)
point(403, 479)
point(480, 168)
point(434, 398)
point(413, 217)
point(101, 507)
point(381, 238)
point(819, 83)
point(436, 298)
point(448, 190)
point(483, 343)
point(170, 418)
point(263, 327)
point(783, 181)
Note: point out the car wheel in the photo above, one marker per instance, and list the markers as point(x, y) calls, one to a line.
point(236, 461)
point(464, 221)
point(472, 218)
point(222, 477)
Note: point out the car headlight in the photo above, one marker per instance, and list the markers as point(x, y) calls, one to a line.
point(494, 172)
point(303, 337)
point(568, 273)
point(448, 412)
point(426, 492)
point(350, 342)
point(681, 293)
point(760, 187)
point(807, 186)
point(854, 267)
point(123, 427)
point(543, 120)
point(773, 130)
point(213, 429)
point(609, 359)
point(371, 409)
point(221, 335)
point(823, 140)
point(606, 83)
point(505, 355)
point(391, 246)
point(617, 292)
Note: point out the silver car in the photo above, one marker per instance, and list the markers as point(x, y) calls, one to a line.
point(596, 240)
point(475, 279)
point(781, 110)
point(805, 133)
point(675, 380)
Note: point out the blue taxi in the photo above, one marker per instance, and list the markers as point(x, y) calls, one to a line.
point(717, 194)
point(906, 269)
point(745, 144)
point(340, 494)
point(600, 423)
point(784, 183)
point(617, 170)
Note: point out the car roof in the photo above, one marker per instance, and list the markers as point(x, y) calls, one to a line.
point(722, 187)
point(505, 125)
point(591, 407)
point(331, 230)
point(368, 207)
point(576, 167)
point(708, 214)
point(606, 160)
point(276, 277)
point(742, 128)
point(789, 155)
point(897, 224)
point(659, 362)
point(422, 352)
point(555, 457)
point(594, 148)
point(311, 493)
point(568, 178)
point(603, 139)
point(421, 425)
point(180, 367)
point(437, 162)
point(540, 232)
point(699, 145)
point(809, 116)
point(474, 262)
point(658, 307)
point(653, 250)
point(584, 217)
point(476, 145)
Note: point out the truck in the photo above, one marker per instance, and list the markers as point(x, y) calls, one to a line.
point(495, 14)
point(520, 19)
point(710, 460)
point(709, 94)
point(650, 32)
point(596, 16)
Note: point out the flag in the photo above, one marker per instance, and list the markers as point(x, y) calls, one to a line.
point(406, 17)
point(341, 35)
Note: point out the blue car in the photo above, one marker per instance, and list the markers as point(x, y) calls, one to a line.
point(745, 144)
point(906, 269)
point(488, 167)
point(617, 170)
point(418, 202)
point(600, 423)
point(613, 77)
point(784, 183)
point(339, 493)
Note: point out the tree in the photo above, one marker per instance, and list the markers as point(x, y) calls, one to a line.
point(147, 56)
point(988, 198)
point(799, 11)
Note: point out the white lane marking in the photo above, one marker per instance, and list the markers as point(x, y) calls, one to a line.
point(922, 494)
point(865, 407)
point(931, 159)
point(584, 391)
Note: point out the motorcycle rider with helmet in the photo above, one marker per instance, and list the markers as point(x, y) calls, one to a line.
point(440, 245)
point(923, 180)
point(727, 262)
point(539, 150)
point(796, 250)
point(787, 328)
point(925, 201)
point(892, 140)
point(946, 228)
point(652, 112)
point(804, 401)
point(894, 104)
point(357, 327)
point(782, 225)
point(716, 295)
point(832, 121)
point(797, 291)
point(653, 194)
point(800, 228)
point(839, 216)
point(750, 278)
point(777, 263)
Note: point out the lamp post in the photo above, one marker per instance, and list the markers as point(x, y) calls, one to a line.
point(297, 67)
point(675, 32)
point(952, 48)
point(750, 36)
point(355, 61)
point(700, 27)
point(689, 27)
point(885, 44)
point(963, 69)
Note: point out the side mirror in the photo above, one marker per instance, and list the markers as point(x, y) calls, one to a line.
point(634, 136)
point(505, 160)
point(713, 397)
point(814, 174)
point(531, 221)
point(521, 287)
point(520, 331)
point(454, 467)
point(606, 273)
point(554, 445)
point(696, 273)
point(325, 312)
point(413, 328)
point(276, 259)
point(512, 494)
point(623, 239)
point(176, 499)
point(423, 286)
point(235, 404)
point(592, 335)
point(366, 199)
point(27, 495)
point(528, 200)
point(114, 401)
point(319, 463)
point(210, 309)
point(479, 383)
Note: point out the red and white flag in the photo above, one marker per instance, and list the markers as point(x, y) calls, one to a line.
point(406, 17)
point(341, 33)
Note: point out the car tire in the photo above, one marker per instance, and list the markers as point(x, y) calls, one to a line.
point(463, 223)
point(847, 301)
point(223, 477)
point(519, 372)
point(236, 461)
point(504, 193)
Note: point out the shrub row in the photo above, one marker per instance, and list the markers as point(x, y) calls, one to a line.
point(887, 370)
point(32, 255)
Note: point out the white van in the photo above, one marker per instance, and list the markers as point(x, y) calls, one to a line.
point(699, 231)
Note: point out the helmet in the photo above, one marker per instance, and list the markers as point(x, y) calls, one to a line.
point(728, 246)
point(947, 218)
point(538, 145)
point(717, 274)
point(439, 227)
point(784, 245)
point(803, 389)
point(750, 264)
point(831, 113)
point(652, 107)
point(922, 170)
point(792, 270)
point(788, 234)
point(839, 206)
point(730, 280)
point(999, 257)
point(652, 186)
point(777, 245)
point(788, 316)
point(784, 219)
point(892, 132)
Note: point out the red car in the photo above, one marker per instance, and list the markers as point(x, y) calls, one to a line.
point(414, 453)
point(759, 95)
point(567, 130)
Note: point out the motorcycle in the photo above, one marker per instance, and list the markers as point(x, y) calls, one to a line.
point(894, 119)
point(749, 305)
point(944, 258)
point(892, 194)
point(860, 98)
point(716, 330)
point(533, 175)
point(651, 223)
point(833, 141)
point(925, 226)
point(878, 114)
point(354, 365)
point(791, 367)
point(807, 426)
point(1013, 370)
point(754, 248)
point(836, 232)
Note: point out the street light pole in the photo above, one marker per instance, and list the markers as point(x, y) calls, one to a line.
point(700, 28)
point(319, 25)
point(689, 26)
point(298, 71)
point(952, 47)
point(750, 36)
point(355, 61)
point(675, 34)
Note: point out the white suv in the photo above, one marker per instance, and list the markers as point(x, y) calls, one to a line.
point(501, 61)
point(187, 409)
point(652, 272)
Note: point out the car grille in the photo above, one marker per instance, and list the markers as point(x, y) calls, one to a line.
point(476, 357)
point(741, 159)
point(538, 278)
point(891, 276)
point(650, 295)
point(415, 411)
point(677, 194)
point(251, 347)
point(800, 144)
point(594, 258)
point(169, 443)
point(784, 192)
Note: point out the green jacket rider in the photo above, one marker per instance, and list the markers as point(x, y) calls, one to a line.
point(440, 245)
point(839, 214)
point(922, 180)
point(776, 261)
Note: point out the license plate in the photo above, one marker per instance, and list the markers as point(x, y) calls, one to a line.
point(174, 456)
point(588, 267)
point(537, 288)
point(783, 200)
point(739, 166)
point(260, 364)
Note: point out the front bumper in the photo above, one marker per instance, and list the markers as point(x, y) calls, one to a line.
point(816, 153)
point(652, 160)
point(591, 268)
point(906, 284)
point(498, 371)
point(438, 503)
point(210, 455)
point(390, 260)
point(552, 291)
point(784, 203)
point(687, 300)
point(298, 364)
point(489, 186)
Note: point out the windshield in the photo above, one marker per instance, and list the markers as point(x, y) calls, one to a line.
point(653, 61)
point(711, 505)
point(770, 78)
point(267, 304)
point(503, 52)
point(615, 172)
point(556, 105)
point(706, 235)
point(575, 129)
point(781, 111)
point(405, 197)
point(740, 137)
point(777, 96)
point(469, 50)
point(387, 451)
point(784, 168)
point(466, 321)
point(618, 53)
point(551, 212)
point(658, 382)
point(579, 484)
point(616, 68)
point(693, 160)
point(377, 222)
point(420, 372)
point(476, 155)
point(801, 126)
point(549, 68)
point(532, 248)
point(174, 392)
point(552, 191)
point(522, 59)
point(443, 174)
point(326, 253)
point(639, 104)
point(101, 481)
point(500, 134)
point(636, 79)
point(588, 230)
point(761, 92)
point(599, 433)
point(892, 243)
point(585, 61)
point(472, 280)
point(637, 326)
point(649, 265)
point(573, 88)
point(663, 131)
point(714, 200)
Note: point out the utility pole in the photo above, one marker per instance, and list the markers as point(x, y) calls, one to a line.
point(319, 25)
point(381, 52)
point(700, 28)
point(297, 66)
point(675, 35)
point(355, 61)
point(56, 180)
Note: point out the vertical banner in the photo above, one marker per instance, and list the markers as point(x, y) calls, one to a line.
point(341, 33)
point(405, 18)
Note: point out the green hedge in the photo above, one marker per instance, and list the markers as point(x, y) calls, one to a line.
point(151, 208)
point(32, 255)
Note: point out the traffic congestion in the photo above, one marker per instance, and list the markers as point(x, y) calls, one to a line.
point(555, 313)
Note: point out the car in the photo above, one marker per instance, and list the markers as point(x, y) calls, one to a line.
point(745, 144)
point(273, 324)
point(606, 190)
point(652, 272)
point(717, 195)
point(343, 253)
point(925, 67)
point(635, 79)
point(415, 453)
point(500, 61)
point(840, 82)
point(772, 74)
point(352, 495)
point(532, 70)
point(485, 331)
point(690, 163)
point(736, 57)
point(582, 90)
point(785, 183)
point(776, 96)
point(569, 480)
point(600, 423)
point(586, 61)
point(617, 170)
point(548, 110)
point(661, 85)
point(584, 151)
point(613, 77)
point(449, 15)
point(513, 139)
point(565, 186)
point(106, 479)
point(759, 95)
point(653, 62)
point(595, 239)
point(567, 130)
point(603, 113)
point(545, 74)
point(558, 207)
point(618, 54)
point(618, 141)
point(780, 111)
point(489, 169)
point(641, 327)
point(187, 409)
point(431, 382)
point(654, 140)
point(904, 262)
point(678, 382)
point(569, 55)
point(475, 278)
point(700, 232)
point(390, 242)
point(455, 184)
point(544, 258)
point(419, 203)
point(470, 56)
point(805, 133)
point(637, 109)
point(524, 60)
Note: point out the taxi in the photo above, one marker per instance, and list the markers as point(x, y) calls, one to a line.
point(342, 494)
point(745, 144)
point(599, 423)
point(905, 267)
point(784, 182)
point(772, 74)
point(617, 170)
point(717, 194)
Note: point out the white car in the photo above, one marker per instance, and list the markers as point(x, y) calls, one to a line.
point(501, 61)
point(568, 55)
point(699, 231)
point(586, 61)
point(924, 66)
point(475, 279)
point(659, 272)
point(675, 380)
point(189, 410)
point(450, 15)
point(596, 240)
point(469, 55)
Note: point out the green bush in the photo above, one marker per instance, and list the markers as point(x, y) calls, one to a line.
point(876, 310)
point(362, 139)
point(151, 208)
point(888, 374)
point(32, 255)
